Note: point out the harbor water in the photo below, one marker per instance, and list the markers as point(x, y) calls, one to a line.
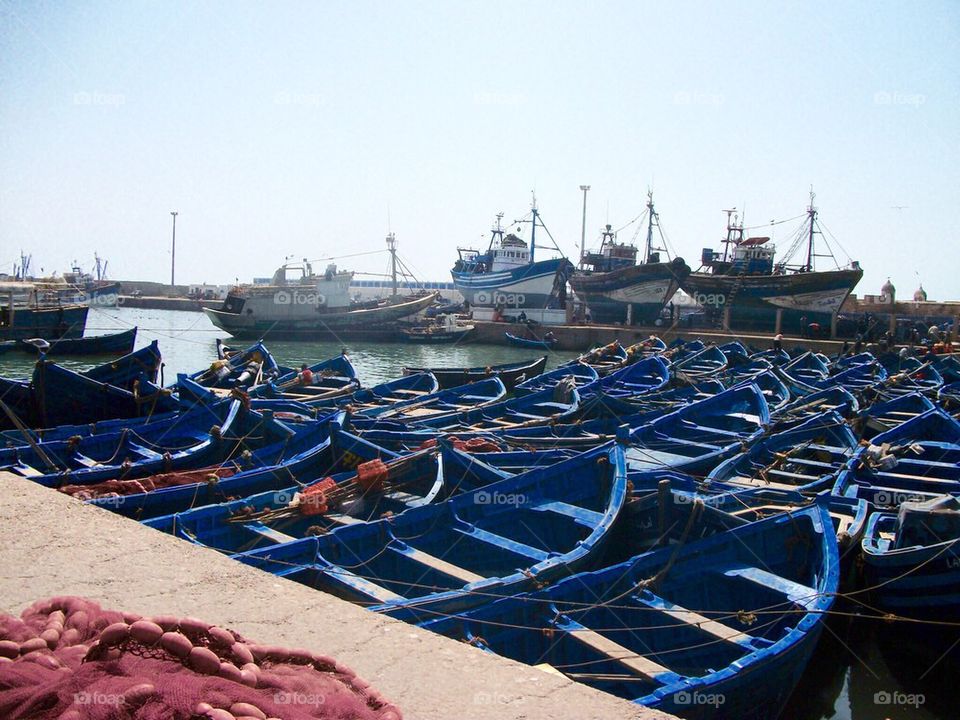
point(862, 670)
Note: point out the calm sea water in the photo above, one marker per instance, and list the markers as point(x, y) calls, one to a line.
point(862, 670)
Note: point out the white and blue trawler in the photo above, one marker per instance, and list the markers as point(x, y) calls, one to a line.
point(506, 276)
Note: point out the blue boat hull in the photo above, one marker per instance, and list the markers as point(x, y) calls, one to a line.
point(528, 286)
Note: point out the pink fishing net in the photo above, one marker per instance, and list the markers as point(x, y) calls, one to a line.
point(66, 658)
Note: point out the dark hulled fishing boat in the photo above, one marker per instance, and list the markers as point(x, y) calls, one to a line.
point(616, 289)
point(745, 282)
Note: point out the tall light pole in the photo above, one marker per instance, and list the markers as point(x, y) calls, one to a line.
point(173, 247)
point(583, 229)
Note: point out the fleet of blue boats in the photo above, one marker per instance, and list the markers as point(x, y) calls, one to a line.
point(658, 522)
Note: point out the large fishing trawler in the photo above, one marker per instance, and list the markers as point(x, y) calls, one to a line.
point(745, 286)
point(617, 289)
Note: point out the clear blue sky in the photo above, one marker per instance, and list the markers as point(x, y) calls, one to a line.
point(292, 128)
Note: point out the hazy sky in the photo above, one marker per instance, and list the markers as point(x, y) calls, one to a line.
point(295, 128)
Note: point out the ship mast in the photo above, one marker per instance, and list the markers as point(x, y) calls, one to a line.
point(533, 228)
point(812, 214)
point(651, 218)
point(392, 247)
point(732, 229)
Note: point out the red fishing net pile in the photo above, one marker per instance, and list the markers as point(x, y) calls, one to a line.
point(116, 488)
point(66, 658)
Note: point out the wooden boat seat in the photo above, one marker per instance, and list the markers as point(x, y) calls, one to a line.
point(440, 565)
point(688, 617)
point(589, 518)
point(791, 475)
point(796, 592)
point(268, 532)
point(411, 393)
point(500, 541)
point(145, 452)
point(760, 482)
point(922, 478)
point(378, 592)
point(403, 497)
point(638, 664)
point(85, 461)
point(812, 463)
point(26, 470)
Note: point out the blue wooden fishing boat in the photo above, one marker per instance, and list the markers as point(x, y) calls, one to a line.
point(911, 559)
point(857, 379)
point(734, 348)
point(914, 376)
point(604, 359)
point(63, 396)
point(773, 356)
point(718, 628)
point(740, 369)
point(511, 374)
point(805, 458)
point(917, 460)
point(381, 484)
point(17, 405)
point(198, 438)
point(244, 369)
point(443, 403)
point(692, 366)
point(540, 408)
point(385, 394)
point(502, 539)
point(888, 414)
point(947, 365)
point(309, 453)
point(651, 346)
point(696, 437)
point(773, 389)
point(834, 399)
point(328, 379)
point(652, 405)
point(120, 343)
point(629, 383)
point(949, 396)
point(126, 370)
point(803, 373)
point(666, 490)
point(543, 343)
point(580, 375)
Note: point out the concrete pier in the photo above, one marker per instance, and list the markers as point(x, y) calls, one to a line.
point(582, 337)
point(52, 544)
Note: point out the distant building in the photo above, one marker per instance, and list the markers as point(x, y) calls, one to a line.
point(920, 295)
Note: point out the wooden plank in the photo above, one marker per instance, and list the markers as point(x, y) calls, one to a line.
point(605, 646)
point(712, 627)
point(442, 566)
point(268, 532)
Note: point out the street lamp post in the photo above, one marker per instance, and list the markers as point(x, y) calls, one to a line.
point(583, 229)
point(173, 248)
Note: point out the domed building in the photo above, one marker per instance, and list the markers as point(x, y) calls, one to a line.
point(888, 293)
point(920, 295)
